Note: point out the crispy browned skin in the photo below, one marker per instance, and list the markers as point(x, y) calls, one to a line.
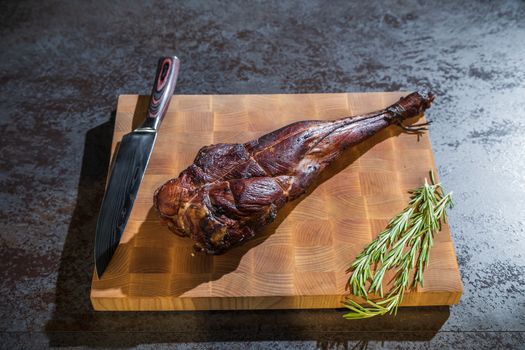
point(231, 190)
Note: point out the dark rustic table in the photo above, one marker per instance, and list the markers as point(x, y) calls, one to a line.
point(63, 64)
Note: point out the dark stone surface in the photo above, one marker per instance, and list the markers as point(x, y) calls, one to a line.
point(63, 64)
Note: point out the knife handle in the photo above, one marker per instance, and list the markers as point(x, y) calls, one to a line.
point(165, 81)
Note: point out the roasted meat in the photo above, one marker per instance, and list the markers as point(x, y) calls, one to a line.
point(232, 190)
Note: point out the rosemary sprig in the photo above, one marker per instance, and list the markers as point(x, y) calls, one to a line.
point(403, 245)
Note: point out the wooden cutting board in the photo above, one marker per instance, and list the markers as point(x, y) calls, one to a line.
point(300, 260)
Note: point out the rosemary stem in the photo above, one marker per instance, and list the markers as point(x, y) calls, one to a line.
point(404, 245)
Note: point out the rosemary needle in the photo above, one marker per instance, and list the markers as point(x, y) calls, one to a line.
point(403, 245)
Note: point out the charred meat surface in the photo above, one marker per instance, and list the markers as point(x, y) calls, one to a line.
point(232, 190)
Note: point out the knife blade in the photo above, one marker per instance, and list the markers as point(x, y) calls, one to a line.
point(131, 161)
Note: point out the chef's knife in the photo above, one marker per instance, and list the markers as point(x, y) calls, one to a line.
point(130, 164)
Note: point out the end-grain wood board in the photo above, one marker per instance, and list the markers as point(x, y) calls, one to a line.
point(300, 260)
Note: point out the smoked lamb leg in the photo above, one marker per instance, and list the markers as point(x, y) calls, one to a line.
point(232, 190)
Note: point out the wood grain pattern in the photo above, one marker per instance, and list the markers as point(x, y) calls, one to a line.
point(300, 260)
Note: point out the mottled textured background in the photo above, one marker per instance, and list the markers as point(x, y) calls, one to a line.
point(63, 64)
